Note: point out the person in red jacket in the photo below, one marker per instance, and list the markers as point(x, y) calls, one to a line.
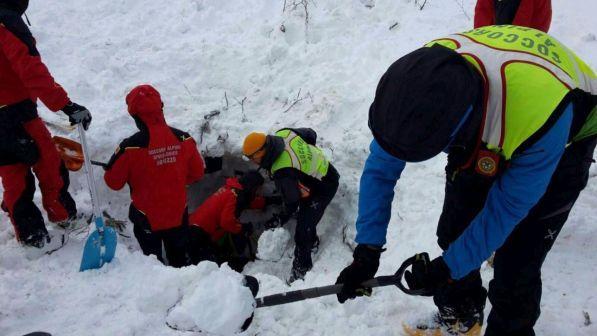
point(216, 231)
point(527, 13)
point(26, 147)
point(158, 162)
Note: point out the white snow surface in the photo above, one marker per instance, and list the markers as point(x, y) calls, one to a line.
point(251, 60)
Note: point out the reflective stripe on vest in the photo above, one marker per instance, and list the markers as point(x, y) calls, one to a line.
point(300, 155)
point(527, 74)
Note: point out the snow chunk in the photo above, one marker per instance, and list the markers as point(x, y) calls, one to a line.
point(272, 244)
point(218, 303)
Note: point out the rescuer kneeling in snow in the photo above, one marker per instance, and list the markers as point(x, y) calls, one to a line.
point(306, 180)
point(216, 231)
point(515, 111)
point(158, 162)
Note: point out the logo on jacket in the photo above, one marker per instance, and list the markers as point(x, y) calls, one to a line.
point(486, 165)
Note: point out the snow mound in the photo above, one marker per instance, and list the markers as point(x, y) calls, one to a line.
point(218, 303)
point(272, 244)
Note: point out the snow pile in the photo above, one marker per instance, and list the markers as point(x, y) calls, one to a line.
point(272, 244)
point(262, 67)
point(205, 308)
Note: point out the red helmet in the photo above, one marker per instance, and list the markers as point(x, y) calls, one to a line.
point(145, 102)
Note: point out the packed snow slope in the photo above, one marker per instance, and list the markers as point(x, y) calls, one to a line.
point(263, 67)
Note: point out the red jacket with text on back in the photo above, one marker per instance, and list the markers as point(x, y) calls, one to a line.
point(530, 13)
point(22, 73)
point(217, 215)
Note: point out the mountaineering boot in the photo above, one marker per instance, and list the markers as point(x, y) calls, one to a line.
point(315, 247)
point(298, 271)
point(37, 239)
point(442, 325)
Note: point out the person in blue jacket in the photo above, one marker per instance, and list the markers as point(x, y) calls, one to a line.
point(433, 100)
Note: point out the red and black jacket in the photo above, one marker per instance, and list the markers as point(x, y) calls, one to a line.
point(527, 13)
point(219, 214)
point(157, 163)
point(23, 76)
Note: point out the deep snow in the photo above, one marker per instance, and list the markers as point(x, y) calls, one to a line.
point(251, 60)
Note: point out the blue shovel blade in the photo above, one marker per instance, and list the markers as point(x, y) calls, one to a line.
point(99, 248)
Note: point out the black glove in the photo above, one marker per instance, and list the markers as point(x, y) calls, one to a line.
point(273, 200)
point(247, 228)
point(363, 267)
point(427, 275)
point(77, 114)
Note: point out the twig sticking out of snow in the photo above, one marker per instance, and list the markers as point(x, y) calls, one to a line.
point(461, 5)
point(242, 108)
point(421, 6)
point(296, 100)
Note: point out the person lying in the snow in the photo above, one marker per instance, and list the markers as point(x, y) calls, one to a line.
point(158, 162)
point(306, 180)
point(216, 233)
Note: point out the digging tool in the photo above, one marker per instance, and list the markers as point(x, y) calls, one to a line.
point(315, 292)
point(101, 243)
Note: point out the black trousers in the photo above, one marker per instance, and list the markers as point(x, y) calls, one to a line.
point(175, 240)
point(515, 291)
point(311, 209)
point(235, 249)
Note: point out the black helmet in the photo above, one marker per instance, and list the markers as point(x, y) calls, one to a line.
point(19, 6)
point(420, 102)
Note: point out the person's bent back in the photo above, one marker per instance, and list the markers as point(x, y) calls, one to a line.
point(158, 162)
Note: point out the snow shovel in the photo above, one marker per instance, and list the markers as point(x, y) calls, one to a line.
point(71, 153)
point(101, 243)
point(314, 292)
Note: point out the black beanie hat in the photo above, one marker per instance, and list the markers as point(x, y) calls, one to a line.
point(251, 180)
point(420, 100)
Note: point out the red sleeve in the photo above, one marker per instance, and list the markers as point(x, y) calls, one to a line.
point(484, 13)
point(524, 14)
point(116, 176)
point(27, 64)
point(228, 220)
point(257, 203)
point(196, 167)
point(542, 15)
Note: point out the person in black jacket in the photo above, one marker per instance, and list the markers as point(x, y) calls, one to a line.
point(306, 180)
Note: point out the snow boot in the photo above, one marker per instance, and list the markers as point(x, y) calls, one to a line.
point(37, 239)
point(440, 325)
point(297, 272)
point(315, 247)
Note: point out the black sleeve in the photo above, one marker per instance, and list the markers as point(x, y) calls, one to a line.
point(18, 28)
point(307, 134)
point(505, 11)
point(137, 140)
point(286, 181)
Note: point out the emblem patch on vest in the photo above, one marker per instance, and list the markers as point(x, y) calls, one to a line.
point(487, 163)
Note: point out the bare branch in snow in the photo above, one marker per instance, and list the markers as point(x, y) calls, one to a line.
point(242, 108)
point(461, 5)
point(296, 100)
point(226, 99)
point(421, 5)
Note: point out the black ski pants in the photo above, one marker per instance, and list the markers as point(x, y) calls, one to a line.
point(175, 240)
point(515, 291)
point(311, 209)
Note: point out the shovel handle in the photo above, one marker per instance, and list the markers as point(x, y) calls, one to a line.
point(310, 293)
point(99, 163)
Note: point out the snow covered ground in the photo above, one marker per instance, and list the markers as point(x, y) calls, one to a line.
point(263, 68)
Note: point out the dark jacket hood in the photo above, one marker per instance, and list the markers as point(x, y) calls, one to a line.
point(274, 146)
point(19, 6)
